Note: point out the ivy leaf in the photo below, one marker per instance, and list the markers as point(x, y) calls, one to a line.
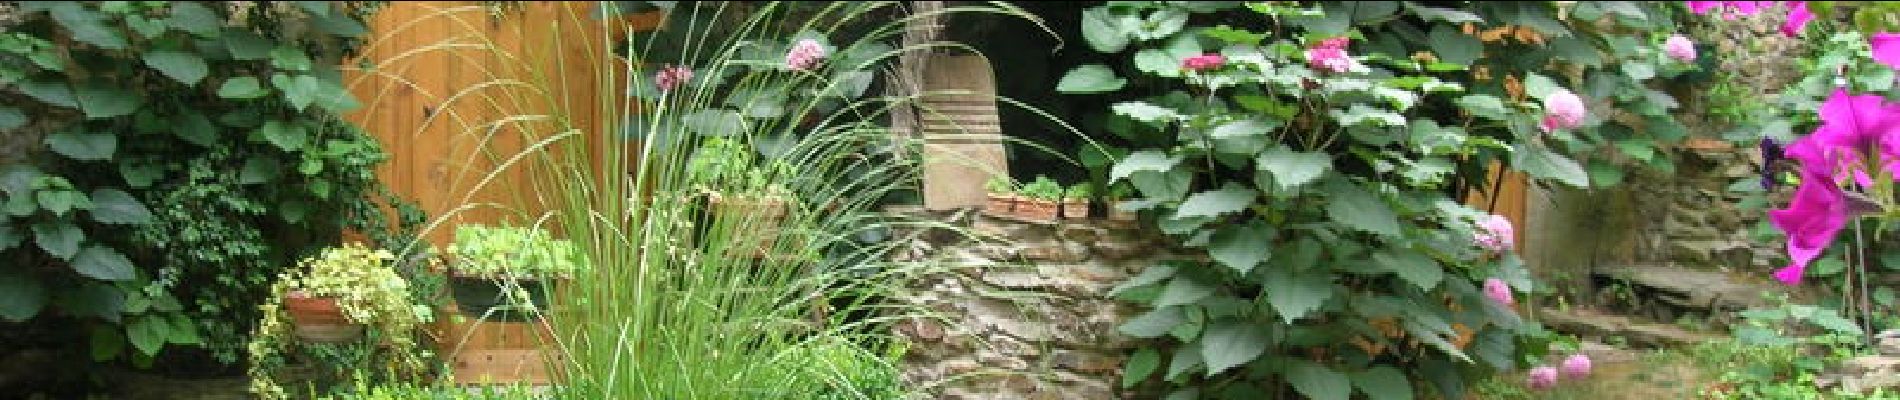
point(114, 206)
point(1411, 266)
point(1229, 198)
point(49, 92)
point(1091, 78)
point(21, 295)
point(1241, 247)
point(147, 333)
point(285, 135)
point(1318, 382)
point(1453, 46)
point(105, 101)
point(1356, 208)
point(87, 25)
point(243, 87)
point(103, 263)
point(61, 201)
point(1544, 164)
point(1291, 169)
point(1154, 323)
point(1137, 369)
point(195, 128)
point(1294, 295)
point(1103, 31)
point(289, 58)
point(186, 68)
point(1145, 160)
point(1383, 383)
point(300, 91)
point(83, 146)
point(11, 118)
point(60, 239)
point(1231, 343)
point(195, 18)
point(1149, 276)
point(1183, 289)
point(245, 45)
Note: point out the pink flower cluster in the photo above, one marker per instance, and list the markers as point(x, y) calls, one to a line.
point(1562, 110)
point(1545, 377)
point(671, 77)
point(1798, 14)
point(1680, 48)
point(1494, 234)
point(804, 55)
point(1499, 292)
point(1203, 62)
point(1330, 55)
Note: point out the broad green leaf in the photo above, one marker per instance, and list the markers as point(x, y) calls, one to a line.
point(300, 91)
point(1383, 382)
point(83, 146)
point(715, 122)
point(1145, 112)
point(183, 331)
point(49, 92)
point(1136, 369)
point(1231, 343)
point(1163, 186)
point(1161, 24)
point(21, 295)
point(1103, 30)
point(103, 263)
point(1145, 160)
point(1183, 362)
point(260, 170)
point(243, 87)
point(1318, 382)
point(195, 18)
point(94, 299)
point(1091, 78)
point(60, 239)
point(184, 67)
point(1543, 164)
point(1294, 295)
point(12, 118)
point(195, 128)
point(289, 58)
point(1154, 323)
point(1214, 203)
point(1241, 247)
point(106, 101)
point(1183, 289)
point(10, 236)
point(339, 24)
point(87, 26)
point(1251, 127)
point(1453, 46)
point(1639, 71)
point(147, 333)
point(61, 201)
point(1335, 21)
point(1484, 106)
point(245, 45)
point(1354, 207)
point(1149, 276)
point(285, 135)
point(1358, 114)
point(1293, 168)
point(114, 206)
point(1442, 14)
point(1538, 86)
point(1576, 50)
point(1411, 266)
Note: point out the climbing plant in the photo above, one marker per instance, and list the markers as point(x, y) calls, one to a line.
point(184, 153)
point(1313, 156)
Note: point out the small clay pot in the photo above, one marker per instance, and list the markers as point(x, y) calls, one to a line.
point(1000, 204)
point(1038, 210)
point(319, 319)
point(1075, 209)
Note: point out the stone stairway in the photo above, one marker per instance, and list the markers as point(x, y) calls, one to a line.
point(1660, 305)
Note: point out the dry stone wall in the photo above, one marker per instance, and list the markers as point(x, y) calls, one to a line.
point(1021, 311)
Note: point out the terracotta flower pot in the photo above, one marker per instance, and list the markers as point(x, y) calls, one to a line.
point(1075, 209)
point(1000, 204)
point(1038, 210)
point(319, 319)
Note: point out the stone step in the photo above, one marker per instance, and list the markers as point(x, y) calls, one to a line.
point(1592, 324)
point(1697, 290)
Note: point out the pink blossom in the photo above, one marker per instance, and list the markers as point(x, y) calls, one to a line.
point(1330, 55)
point(1562, 110)
point(1543, 377)
point(1798, 18)
point(1577, 366)
point(1494, 234)
point(1499, 292)
point(1886, 48)
point(804, 55)
point(1203, 62)
point(1680, 48)
point(671, 77)
point(1850, 126)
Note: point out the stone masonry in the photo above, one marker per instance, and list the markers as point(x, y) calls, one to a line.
point(1021, 310)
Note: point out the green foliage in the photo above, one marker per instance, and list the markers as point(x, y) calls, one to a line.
point(174, 182)
point(1779, 352)
point(369, 291)
point(1000, 184)
point(1042, 188)
point(1079, 191)
point(513, 252)
point(1339, 259)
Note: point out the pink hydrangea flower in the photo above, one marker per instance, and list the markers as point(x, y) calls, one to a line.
point(1499, 292)
point(1562, 110)
point(1330, 55)
point(1203, 62)
point(1577, 366)
point(1494, 234)
point(1543, 377)
point(1680, 48)
point(1886, 48)
point(804, 55)
point(671, 77)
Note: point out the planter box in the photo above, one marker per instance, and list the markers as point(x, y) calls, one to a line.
point(484, 297)
point(320, 320)
point(1000, 205)
point(1038, 210)
point(1075, 209)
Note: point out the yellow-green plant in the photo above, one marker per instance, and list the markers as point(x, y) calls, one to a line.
point(507, 251)
point(368, 290)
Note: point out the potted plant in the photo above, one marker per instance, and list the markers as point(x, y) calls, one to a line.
point(749, 198)
point(500, 270)
point(1002, 196)
point(1075, 201)
point(330, 297)
point(1117, 195)
point(1041, 200)
point(348, 297)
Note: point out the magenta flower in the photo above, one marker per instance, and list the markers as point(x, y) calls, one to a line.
point(1798, 18)
point(804, 55)
point(671, 77)
point(1499, 292)
point(1330, 55)
point(1203, 62)
point(1576, 367)
point(1886, 48)
point(1494, 234)
point(1680, 48)
point(1543, 377)
point(1818, 212)
point(1854, 130)
point(1562, 110)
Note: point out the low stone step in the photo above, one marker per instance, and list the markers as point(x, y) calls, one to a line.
point(1592, 324)
point(1692, 289)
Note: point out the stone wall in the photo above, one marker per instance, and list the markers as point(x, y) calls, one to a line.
point(1021, 311)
